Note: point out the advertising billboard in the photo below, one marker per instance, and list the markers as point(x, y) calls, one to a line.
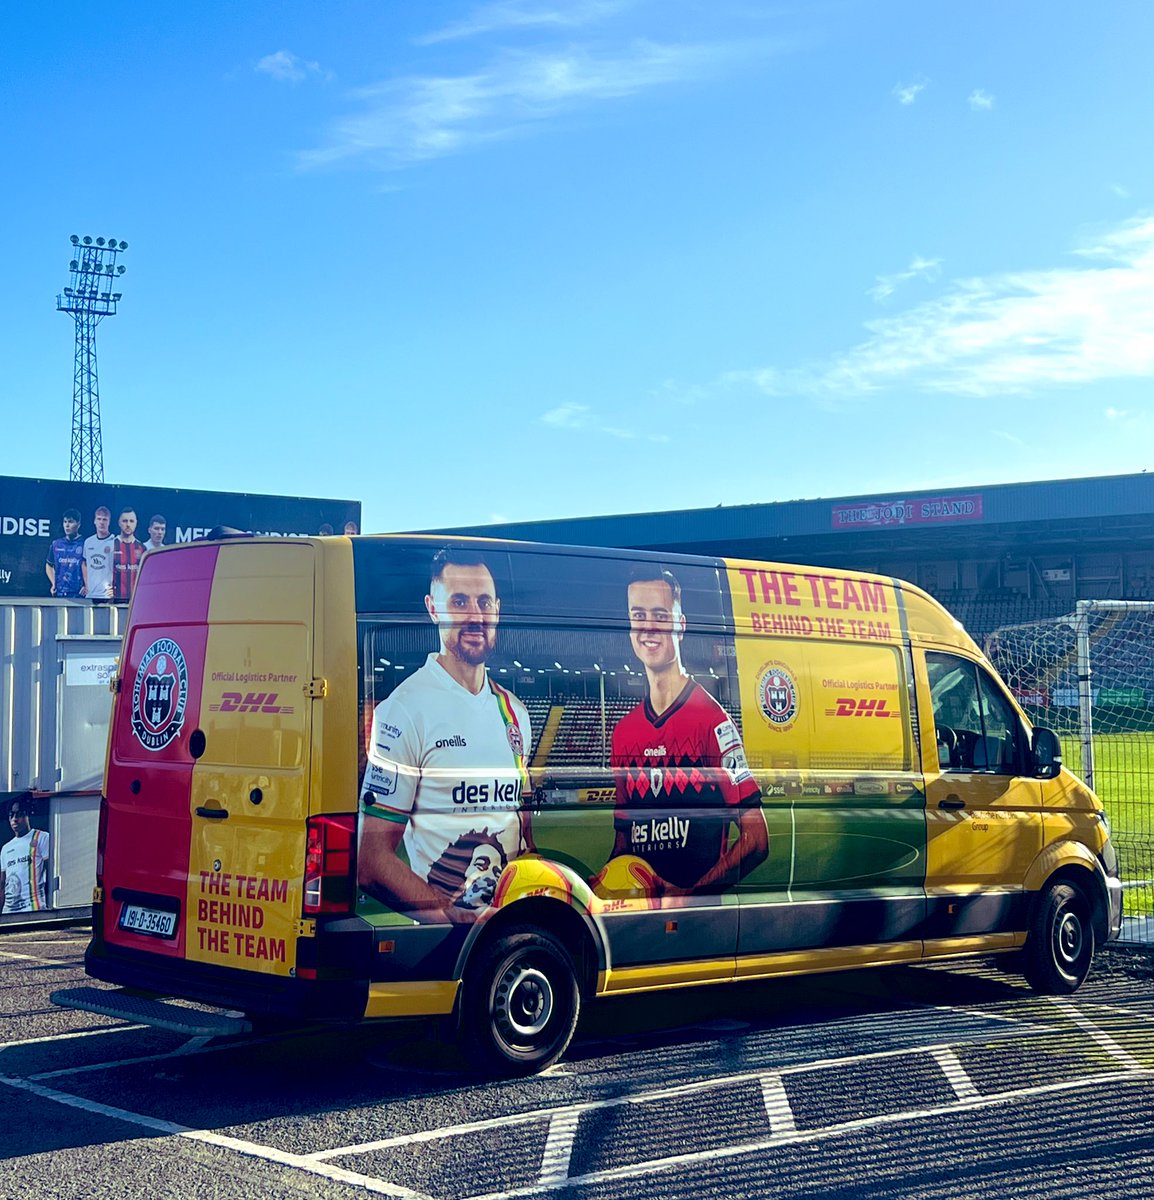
point(84, 541)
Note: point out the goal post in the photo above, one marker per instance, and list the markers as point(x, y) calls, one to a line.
point(1089, 676)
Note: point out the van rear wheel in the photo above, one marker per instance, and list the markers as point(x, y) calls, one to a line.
point(520, 1003)
point(1060, 946)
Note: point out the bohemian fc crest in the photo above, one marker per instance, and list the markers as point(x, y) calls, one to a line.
point(777, 695)
point(159, 695)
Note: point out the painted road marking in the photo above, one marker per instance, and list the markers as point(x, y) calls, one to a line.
point(661, 1165)
point(558, 1149)
point(669, 1093)
point(955, 1073)
point(1098, 1035)
point(60, 1037)
point(777, 1106)
point(282, 1157)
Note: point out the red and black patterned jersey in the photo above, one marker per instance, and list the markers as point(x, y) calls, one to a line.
point(680, 778)
point(126, 560)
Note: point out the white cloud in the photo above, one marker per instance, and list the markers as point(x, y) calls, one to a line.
point(1003, 334)
point(519, 14)
point(907, 93)
point(1119, 191)
point(581, 416)
point(919, 268)
point(980, 100)
point(427, 116)
point(567, 416)
point(286, 67)
point(1116, 414)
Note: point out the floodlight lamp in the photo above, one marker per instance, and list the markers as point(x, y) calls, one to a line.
point(120, 270)
point(68, 291)
point(88, 241)
point(74, 240)
point(116, 295)
point(123, 246)
point(112, 243)
point(100, 241)
point(74, 265)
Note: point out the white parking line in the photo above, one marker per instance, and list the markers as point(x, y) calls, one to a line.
point(955, 1073)
point(156, 1125)
point(558, 1149)
point(62, 962)
point(661, 1165)
point(60, 1037)
point(1098, 1035)
point(682, 1089)
point(192, 1046)
point(777, 1106)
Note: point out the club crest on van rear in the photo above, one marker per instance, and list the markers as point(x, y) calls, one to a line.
point(159, 695)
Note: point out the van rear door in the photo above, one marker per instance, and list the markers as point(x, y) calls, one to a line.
point(216, 828)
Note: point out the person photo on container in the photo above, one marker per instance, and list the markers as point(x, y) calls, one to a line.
point(127, 555)
point(157, 528)
point(97, 566)
point(679, 766)
point(65, 563)
point(351, 528)
point(446, 772)
point(24, 861)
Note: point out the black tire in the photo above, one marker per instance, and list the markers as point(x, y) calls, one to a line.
point(520, 1003)
point(1060, 946)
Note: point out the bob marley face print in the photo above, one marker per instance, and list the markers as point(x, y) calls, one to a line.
point(469, 869)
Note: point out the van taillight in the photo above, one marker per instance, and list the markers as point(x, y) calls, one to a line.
point(101, 835)
point(329, 862)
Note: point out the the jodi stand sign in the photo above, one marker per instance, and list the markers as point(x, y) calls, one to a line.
point(83, 541)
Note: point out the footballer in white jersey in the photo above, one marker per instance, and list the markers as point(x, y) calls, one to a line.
point(441, 800)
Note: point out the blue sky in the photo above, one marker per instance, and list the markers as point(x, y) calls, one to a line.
point(533, 258)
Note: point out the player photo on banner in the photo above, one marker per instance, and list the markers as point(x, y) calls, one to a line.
point(25, 856)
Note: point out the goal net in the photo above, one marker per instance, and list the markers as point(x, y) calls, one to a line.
point(1089, 676)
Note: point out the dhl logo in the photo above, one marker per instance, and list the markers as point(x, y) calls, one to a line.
point(250, 702)
point(847, 706)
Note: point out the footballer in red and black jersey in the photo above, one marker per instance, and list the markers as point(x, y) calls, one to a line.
point(681, 779)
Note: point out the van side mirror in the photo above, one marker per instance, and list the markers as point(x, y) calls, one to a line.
point(1046, 754)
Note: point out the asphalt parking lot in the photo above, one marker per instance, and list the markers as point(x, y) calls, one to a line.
point(905, 1082)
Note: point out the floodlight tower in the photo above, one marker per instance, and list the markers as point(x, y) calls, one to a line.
point(88, 301)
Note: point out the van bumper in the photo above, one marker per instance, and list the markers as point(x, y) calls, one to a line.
point(1114, 903)
point(337, 992)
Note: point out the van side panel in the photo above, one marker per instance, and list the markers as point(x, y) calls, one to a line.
point(245, 869)
point(148, 782)
point(830, 725)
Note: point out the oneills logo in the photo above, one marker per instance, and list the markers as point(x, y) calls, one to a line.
point(777, 695)
point(159, 695)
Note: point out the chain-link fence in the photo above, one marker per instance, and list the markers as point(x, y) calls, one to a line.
point(1089, 676)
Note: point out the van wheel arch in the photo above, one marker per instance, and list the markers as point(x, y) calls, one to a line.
point(1091, 885)
point(552, 917)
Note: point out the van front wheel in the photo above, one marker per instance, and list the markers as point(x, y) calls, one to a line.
point(520, 1003)
point(1060, 944)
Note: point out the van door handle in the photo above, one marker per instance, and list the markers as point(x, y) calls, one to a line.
point(215, 814)
point(952, 802)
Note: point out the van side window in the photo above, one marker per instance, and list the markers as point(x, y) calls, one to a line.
point(975, 725)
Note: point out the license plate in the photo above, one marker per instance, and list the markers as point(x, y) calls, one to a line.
point(138, 919)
